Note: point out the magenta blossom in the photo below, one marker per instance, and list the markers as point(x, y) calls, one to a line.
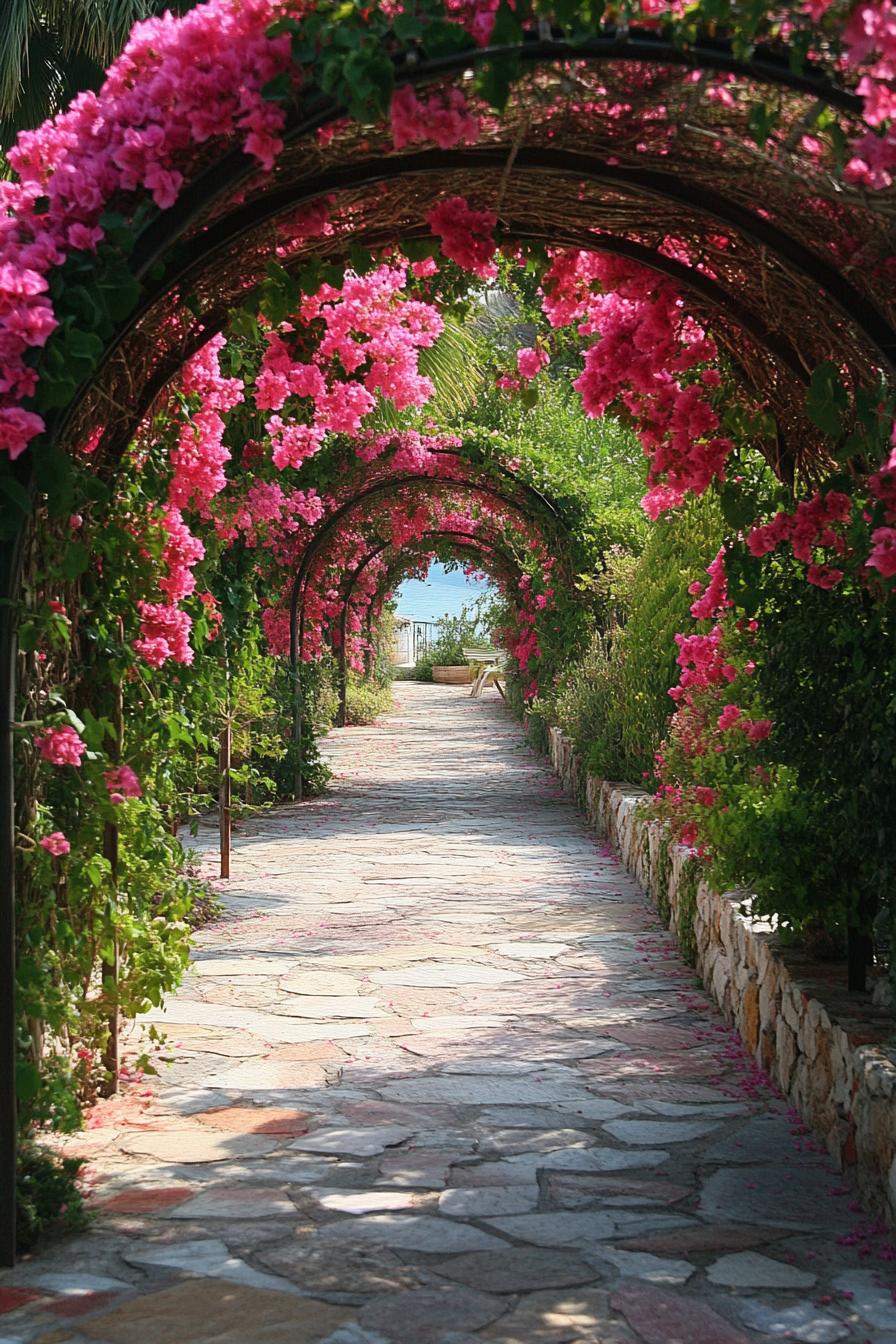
point(55, 844)
point(60, 746)
point(122, 783)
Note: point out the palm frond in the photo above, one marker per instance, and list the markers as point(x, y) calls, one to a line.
point(456, 364)
point(17, 18)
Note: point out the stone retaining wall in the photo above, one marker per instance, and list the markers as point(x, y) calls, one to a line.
point(827, 1057)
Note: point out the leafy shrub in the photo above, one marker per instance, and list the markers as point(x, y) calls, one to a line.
point(455, 633)
point(614, 702)
point(48, 1201)
point(366, 700)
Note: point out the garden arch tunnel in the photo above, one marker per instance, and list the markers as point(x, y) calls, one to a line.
point(489, 552)
point(787, 262)
point(523, 501)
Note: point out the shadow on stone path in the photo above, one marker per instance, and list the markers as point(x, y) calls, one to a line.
point(440, 1076)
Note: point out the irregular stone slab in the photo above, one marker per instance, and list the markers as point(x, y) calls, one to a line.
point(556, 1229)
point(342, 1273)
point(266, 1026)
point(656, 1037)
point(500, 1141)
point(418, 1168)
point(79, 1285)
point(483, 1091)
point(209, 1258)
point(781, 1196)
point(268, 967)
point(325, 983)
point(650, 1268)
point(579, 1315)
point(756, 1140)
point(873, 1302)
point(660, 1131)
point(195, 1145)
point(531, 951)
point(523, 1167)
point(445, 975)
point(145, 1199)
point(443, 1023)
point(356, 1142)
point(548, 1117)
point(703, 1237)
point(203, 1313)
point(362, 1201)
point(748, 1269)
point(803, 1321)
point(706, 1111)
point(423, 1315)
point(662, 1317)
point(264, 1075)
point(518, 1270)
point(257, 1120)
point(323, 1009)
point(488, 1201)
point(579, 1190)
point(238, 1202)
point(489, 1065)
point(407, 1232)
point(663, 1089)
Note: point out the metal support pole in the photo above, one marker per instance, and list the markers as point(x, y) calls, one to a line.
point(342, 669)
point(111, 969)
point(8, 1119)
point(297, 728)
point(224, 798)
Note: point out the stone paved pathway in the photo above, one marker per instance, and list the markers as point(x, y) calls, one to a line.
point(440, 1077)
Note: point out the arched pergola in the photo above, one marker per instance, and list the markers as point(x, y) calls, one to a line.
point(520, 499)
point(773, 250)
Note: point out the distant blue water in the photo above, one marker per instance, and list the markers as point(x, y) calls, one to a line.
point(442, 593)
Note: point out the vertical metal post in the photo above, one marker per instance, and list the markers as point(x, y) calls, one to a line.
point(342, 669)
point(224, 798)
point(10, 570)
point(111, 970)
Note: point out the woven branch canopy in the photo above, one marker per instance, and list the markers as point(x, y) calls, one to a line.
point(618, 148)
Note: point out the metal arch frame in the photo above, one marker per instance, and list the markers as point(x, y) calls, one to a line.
point(349, 588)
point(476, 549)
point(327, 529)
point(669, 186)
point(704, 286)
point(384, 487)
point(768, 66)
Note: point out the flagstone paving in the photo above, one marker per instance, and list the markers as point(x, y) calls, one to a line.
point(439, 1076)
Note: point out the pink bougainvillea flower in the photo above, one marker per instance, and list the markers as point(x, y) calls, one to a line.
point(55, 844)
point(122, 783)
point(883, 556)
point(60, 746)
point(530, 361)
point(729, 717)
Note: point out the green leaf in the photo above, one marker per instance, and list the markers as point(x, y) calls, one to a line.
point(27, 1080)
point(827, 400)
point(762, 121)
point(15, 491)
point(279, 89)
point(74, 560)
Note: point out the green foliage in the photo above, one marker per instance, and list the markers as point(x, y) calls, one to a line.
point(818, 845)
point(614, 702)
point(366, 700)
point(48, 1201)
point(454, 634)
